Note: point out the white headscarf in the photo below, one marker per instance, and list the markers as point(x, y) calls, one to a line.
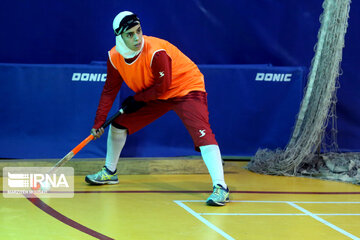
point(120, 44)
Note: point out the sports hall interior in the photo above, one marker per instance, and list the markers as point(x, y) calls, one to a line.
point(259, 60)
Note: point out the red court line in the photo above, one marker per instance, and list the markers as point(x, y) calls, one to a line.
point(52, 212)
point(250, 192)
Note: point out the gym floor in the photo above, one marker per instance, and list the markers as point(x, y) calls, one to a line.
point(173, 207)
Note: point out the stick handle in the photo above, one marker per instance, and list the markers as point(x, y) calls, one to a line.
point(91, 137)
point(118, 113)
point(82, 144)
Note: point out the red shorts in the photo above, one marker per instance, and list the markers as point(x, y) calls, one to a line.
point(192, 110)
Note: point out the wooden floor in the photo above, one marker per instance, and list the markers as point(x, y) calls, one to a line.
point(173, 207)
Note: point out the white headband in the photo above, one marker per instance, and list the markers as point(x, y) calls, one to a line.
point(120, 44)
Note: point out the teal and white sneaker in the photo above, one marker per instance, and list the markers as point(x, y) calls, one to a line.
point(102, 177)
point(219, 197)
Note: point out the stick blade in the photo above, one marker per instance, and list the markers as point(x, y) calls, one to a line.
point(64, 160)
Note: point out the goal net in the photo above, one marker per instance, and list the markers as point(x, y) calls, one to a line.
point(312, 149)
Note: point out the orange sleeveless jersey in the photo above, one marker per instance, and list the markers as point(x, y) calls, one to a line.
point(186, 76)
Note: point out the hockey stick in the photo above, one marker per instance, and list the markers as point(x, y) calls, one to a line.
point(80, 146)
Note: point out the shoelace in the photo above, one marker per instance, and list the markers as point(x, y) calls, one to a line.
point(217, 191)
point(103, 175)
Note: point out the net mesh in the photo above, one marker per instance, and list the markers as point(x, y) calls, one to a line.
point(312, 149)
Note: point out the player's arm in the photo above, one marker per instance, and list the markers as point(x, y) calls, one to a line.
point(161, 69)
point(108, 95)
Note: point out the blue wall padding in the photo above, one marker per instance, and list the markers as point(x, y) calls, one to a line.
point(48, 109)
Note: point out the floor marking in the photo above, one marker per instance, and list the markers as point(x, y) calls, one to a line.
point(330, 202)
point(288, 202)
point(249, 192)
point(323, 221)
point(190, 191)
point(245, 201)
point(337, 214)
point(185, 191)
point(206, 222)
point(254, 214)
point(293, 204)
point(279, 214)
point(55, 214)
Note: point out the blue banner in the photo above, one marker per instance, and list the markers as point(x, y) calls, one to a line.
point(46, 110)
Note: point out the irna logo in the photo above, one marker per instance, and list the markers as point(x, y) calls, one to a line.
point(273, 77)
point(33, 180)
point(89, 77)
point(38, 181)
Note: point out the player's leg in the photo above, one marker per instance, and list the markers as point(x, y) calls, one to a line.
point(193, 111)
point(123, 125)
point(115, 143)
point(212, 158)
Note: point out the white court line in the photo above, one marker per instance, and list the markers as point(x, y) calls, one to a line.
point(305, 213)
point(238, 201)
point(288, 201)
point(337, 214)
point(210, 225)
point(274, 201)
point(331, 202)
point(323, 221)
point(279, 214)
point(254, 214)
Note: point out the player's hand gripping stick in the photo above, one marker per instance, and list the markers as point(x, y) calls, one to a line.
point(76, 149)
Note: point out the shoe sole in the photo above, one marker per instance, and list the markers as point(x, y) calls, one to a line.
point(92, 182)
point(212, 203)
